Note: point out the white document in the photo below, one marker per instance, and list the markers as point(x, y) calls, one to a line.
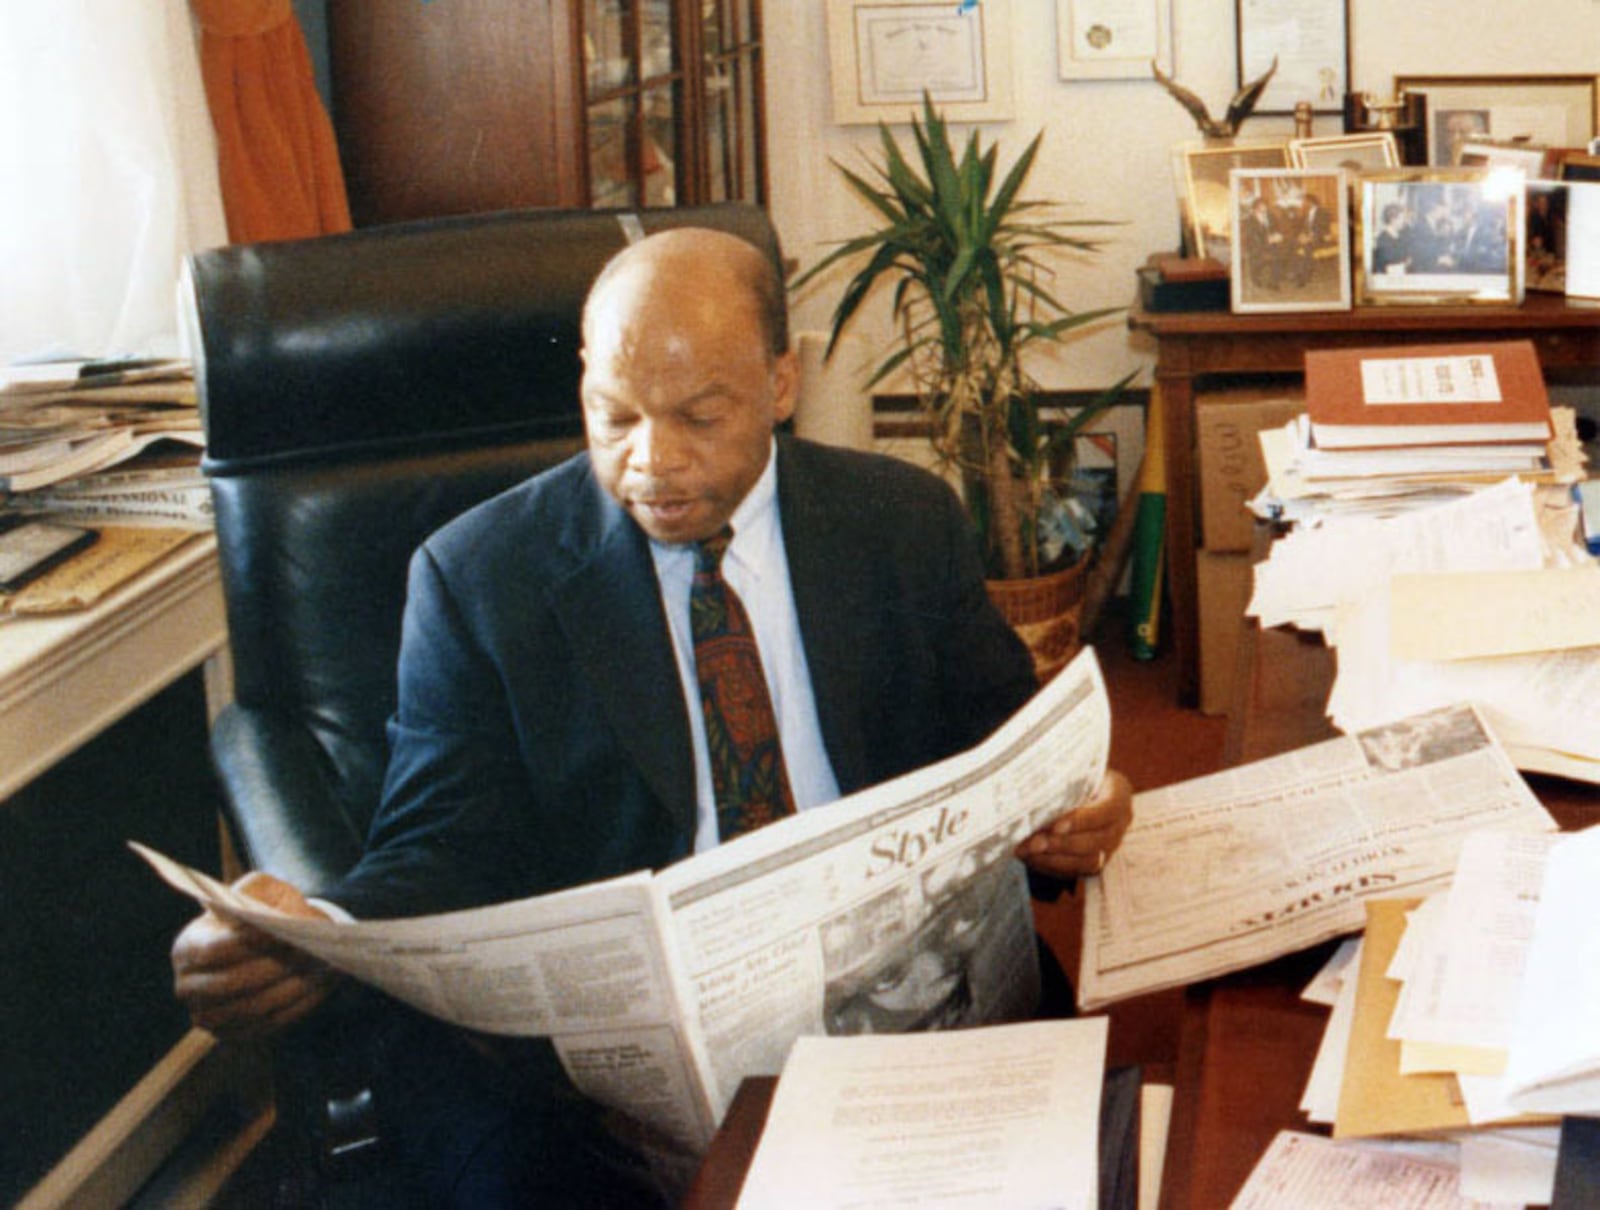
point(1312, 571)
point(1277, 855)
point(900, 908)
point(1309, 1172)
point(1320, 1101)
point(1325, 984)
point(1002, 1116)
point(1554, 1060)
point(1516, 1166)
point(1464, 988)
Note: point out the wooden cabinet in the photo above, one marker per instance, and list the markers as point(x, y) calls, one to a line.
point(463, 106)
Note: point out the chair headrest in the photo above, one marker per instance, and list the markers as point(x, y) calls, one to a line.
point(395, 338)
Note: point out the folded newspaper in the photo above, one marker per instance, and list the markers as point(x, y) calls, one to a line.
point(1231, 870)
point(896, 909)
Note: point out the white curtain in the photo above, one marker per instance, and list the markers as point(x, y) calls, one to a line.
point(108, 174)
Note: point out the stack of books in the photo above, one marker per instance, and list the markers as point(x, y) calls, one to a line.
point(106, 442)
point(1386, 430)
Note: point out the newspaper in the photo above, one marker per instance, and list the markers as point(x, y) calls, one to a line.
point(896, 909)
point(1234, 869)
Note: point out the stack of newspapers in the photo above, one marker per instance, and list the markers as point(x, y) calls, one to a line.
point(103, 442)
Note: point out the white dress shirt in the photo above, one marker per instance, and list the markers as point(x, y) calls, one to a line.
point(756, 567)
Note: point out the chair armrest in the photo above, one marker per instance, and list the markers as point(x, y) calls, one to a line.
point(282, 803)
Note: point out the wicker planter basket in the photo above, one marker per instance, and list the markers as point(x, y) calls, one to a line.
point(1045, 612)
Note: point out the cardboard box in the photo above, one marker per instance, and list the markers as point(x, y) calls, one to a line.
point(1225, 583)
point(1230, 466)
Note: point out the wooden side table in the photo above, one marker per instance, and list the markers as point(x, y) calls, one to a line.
point(1194, 345)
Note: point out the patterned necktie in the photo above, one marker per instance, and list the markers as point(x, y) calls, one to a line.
point(750, 783)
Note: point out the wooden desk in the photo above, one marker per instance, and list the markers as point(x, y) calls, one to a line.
point(1247, 1041)
point(1193, 345)
point(82, 930)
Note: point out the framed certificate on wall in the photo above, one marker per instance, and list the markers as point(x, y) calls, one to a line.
point(1310, 39)
point(884, 55)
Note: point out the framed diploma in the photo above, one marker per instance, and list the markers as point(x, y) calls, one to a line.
point(1311, 41)
point(885, 54)
point(1113, 39)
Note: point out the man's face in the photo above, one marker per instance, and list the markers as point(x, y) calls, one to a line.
point(680, 396)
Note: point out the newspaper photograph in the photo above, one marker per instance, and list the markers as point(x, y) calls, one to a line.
point(1237, 868)
point(900, 908)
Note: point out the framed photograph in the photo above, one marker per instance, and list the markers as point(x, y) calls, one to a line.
point(1113, 39)
point(1553, 111)
point(1291, 242)
point(1367, 151)
point(1524, 157)
point(1208, 195)
point(884, 54)
point(1583, 240)
point(1544, 238)
point(1310, 40)
point(1430, 235)
point(1582, 167)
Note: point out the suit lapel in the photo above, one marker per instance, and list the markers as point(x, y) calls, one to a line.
point(610, 606)
point(828, 592)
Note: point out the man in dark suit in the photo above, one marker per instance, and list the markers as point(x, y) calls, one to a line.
point(549, 730)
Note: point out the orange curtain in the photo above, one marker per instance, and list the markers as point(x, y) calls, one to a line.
point(276, 155)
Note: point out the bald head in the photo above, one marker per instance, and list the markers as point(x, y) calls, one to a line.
point(685, 374)
point(689, 262)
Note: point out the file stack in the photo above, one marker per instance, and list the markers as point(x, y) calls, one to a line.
point(1469, 1018)
point(1387, 430)
point(113, 442)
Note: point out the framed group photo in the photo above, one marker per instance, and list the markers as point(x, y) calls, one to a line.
point(1551, 111)
point(1436, 235)
point(1291, 243)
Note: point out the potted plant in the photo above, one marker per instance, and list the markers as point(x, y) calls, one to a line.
point(971, 297)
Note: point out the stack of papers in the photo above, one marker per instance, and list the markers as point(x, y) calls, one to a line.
point(1487, 598)
point(1472, 1015)
point(1007, 1115)
point(1308, 484)
point(65, 424)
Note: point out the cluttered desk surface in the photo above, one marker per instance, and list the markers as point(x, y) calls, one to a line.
point(1248, 1040)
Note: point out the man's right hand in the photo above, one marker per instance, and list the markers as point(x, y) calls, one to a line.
point(236, 981)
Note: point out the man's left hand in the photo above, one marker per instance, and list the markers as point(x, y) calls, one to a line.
point(1081, 842)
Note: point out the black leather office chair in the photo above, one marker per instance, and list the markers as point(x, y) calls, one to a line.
point(358, 391)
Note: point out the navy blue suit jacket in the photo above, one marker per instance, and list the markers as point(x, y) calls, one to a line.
point(541, 739)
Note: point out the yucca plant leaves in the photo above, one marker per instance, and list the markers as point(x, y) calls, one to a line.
point(971, 292)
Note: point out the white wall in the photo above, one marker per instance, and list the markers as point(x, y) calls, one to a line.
point(1107, 144)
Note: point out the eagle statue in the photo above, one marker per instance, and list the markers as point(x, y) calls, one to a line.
point(1244, 101)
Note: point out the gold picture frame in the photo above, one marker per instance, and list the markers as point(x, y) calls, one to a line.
point(1364, 151)
point(1438, 235)
point(1553, 110)
point(885, 54)
point(1291, 240)
point(1207, 194)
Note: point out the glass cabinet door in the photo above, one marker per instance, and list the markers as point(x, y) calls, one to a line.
point(633, 83)
point(673, 108)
